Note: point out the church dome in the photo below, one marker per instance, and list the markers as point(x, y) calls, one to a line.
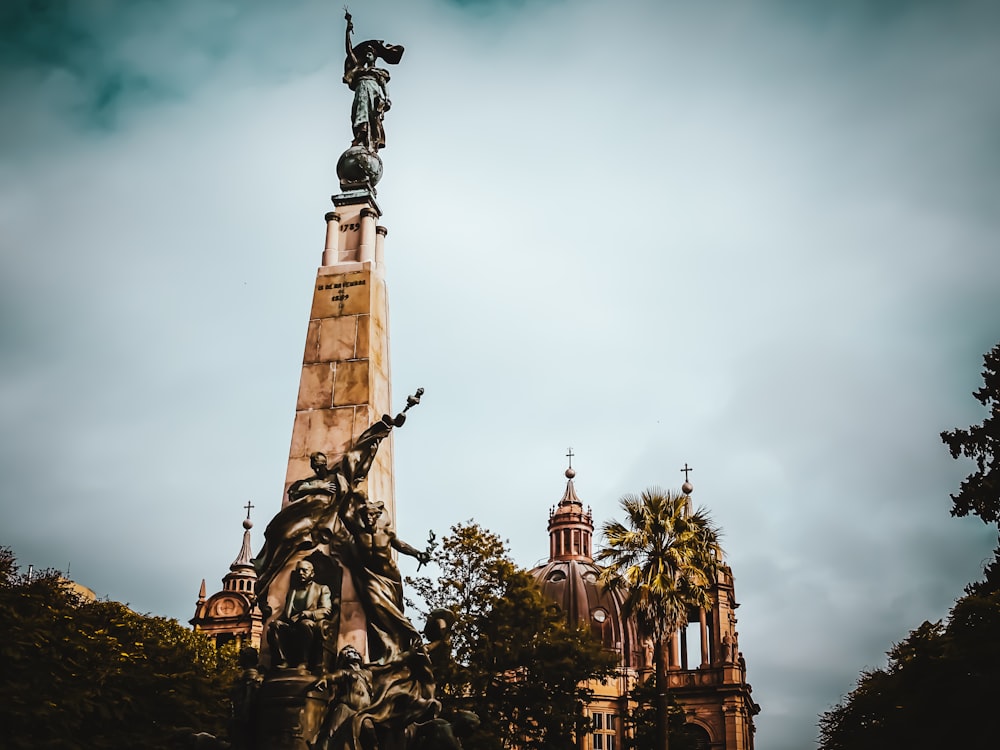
point(570, 579)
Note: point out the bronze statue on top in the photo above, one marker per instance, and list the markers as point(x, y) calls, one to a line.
point(371, 100)
point(360, 167)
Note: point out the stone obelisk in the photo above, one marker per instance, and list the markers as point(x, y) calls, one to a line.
point(345, 368)
point(345, 383)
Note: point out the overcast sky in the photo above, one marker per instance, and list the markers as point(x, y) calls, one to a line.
point(757, 237)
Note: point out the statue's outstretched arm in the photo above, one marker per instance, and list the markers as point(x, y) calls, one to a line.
point(400, 546)
point(350, 48)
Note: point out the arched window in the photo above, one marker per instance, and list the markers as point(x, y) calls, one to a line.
point(695, 736)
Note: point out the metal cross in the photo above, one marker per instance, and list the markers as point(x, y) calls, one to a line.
point(569, 455)
point(248, 506)
point(686, 469)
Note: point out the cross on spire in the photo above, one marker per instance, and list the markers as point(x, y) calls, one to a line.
point(569, 455)
point(248, 506)
point(686, 469)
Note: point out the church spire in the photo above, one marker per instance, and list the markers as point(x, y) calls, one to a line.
point(570, 528)
point(244, 559)
point(242, 575)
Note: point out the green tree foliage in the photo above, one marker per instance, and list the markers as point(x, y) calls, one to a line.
point(517, 663)
point(663, 559)
point(94, 674)
point(979, 493)
point(938, 689)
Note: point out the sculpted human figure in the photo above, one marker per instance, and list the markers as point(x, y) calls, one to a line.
point(371, 101)
point(377, 579)
point(296, 635)
point(311, 515)
point(322, 482)
point(727, 648)
point(350, 687)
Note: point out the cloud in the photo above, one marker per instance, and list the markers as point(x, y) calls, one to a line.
point(757, 239)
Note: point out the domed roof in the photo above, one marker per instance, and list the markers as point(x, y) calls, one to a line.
point(572, 584)
point(570, 578)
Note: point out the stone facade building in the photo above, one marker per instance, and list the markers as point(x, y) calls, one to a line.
point(706, 671)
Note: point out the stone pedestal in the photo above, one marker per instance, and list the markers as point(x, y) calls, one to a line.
point(288, 711)
point(345, 384)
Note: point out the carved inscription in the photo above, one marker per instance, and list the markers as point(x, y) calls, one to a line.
point(352, 227)
point(339, 288)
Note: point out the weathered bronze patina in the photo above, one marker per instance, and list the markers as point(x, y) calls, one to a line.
point(359, 166)
point(296, 636)
point(311, 697)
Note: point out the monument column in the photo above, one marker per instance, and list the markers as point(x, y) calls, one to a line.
point(345, 384)
point(325, 574)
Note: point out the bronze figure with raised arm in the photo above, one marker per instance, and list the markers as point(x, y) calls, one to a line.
point(377, 579)
point(371, 100)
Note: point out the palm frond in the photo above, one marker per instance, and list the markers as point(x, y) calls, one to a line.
point(662, 559)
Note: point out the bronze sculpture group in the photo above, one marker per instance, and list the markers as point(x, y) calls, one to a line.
point(312, 691)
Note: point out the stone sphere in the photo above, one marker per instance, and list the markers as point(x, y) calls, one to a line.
point(687, 488)
point(247, 524)
point(358, 167)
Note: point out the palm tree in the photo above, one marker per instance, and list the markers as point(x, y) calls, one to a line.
point(663, 560)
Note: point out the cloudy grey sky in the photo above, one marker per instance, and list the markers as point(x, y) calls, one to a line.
point(756, 237)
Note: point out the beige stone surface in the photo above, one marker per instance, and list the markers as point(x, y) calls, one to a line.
point(351, 383)
point(348, 267)
point(381, 484)
point(349, 231)
point(311, 353)
point(342, 294)
point(363, 336)
point(345, 383)
point(364, 417)
point(353, 625)
point(330, 431)
point(316, 386)
point(337, 338)
point(300, 435)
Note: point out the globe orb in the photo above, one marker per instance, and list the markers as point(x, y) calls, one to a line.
point(358, 168)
